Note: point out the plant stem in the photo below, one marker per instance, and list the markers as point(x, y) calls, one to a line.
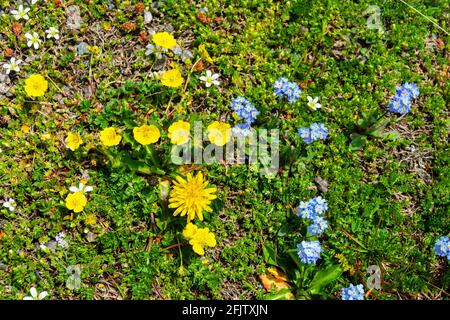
point(426, 17)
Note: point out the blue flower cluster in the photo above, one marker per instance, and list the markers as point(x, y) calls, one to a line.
point(353, 292)
point(442, 247)
point(242, 130)
point(401, 102)
point(318, 226)
point(314, 210)
point(314, 132)
point(284, 88)
point(309, 251)
point(244, 109)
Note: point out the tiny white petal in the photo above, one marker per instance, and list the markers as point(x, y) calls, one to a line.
point(88, 189)
point(33, 292)
point(27, 298)
point(73, 189)
point(42, 295)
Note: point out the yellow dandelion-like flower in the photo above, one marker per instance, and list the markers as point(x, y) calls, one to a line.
point(36, 85)
point(219, 133)
point(146, 134)
point(191, 196)
point(164, 40)
point(76, 201)
point(179, 132)
point(73, 141)
point(172, 78)
point(201, 239)
point(109, 137)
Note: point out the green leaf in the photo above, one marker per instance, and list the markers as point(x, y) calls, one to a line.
point(280, 295)
point(324, 277)
point(269, 254)
point(391, 135)
point(139, 166)
point(358, 141)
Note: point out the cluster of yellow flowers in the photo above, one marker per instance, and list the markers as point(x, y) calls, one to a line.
point(199, 238)
point(219, 133)
point(190, 197)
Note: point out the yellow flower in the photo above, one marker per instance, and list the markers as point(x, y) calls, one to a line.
point(36, 85)
point(190, 230)
point(201, 239)
point(109, 137)
point(164, 40)
point(146, 134)
point(25, 128)
point(76, 201)
point(204, 54)
point(191, 196)
point(219, 133)
point(172, 78)
point(91, 219)
point(73, 141)
point(179, 132)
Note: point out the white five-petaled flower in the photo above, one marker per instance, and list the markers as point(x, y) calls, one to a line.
point(33, 40)
point(210, 78)
point(21, 13)
point(10, 204)
point(13, 65)
point(52, 32)
point(82, 188)
point(35, 295)
point(313, 103)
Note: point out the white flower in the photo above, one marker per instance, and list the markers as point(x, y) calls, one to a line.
point(313, 103)
point(13, 65)
point(10, 204)
point(21, 13)
point(210, 79)
point(81, 187)
point(52, 32)
point(33, 40)
point(35, 295)
point(60, 240)
point(34, 1)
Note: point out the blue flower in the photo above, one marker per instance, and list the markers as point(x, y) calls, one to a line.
point(412, 89)
point(401, 102)
point(353, 292)
point(309, 251)
point(284, 88)
point(242, 130)
point(318, 226)
point(315, 132)
point(442, 247)
point(244, 109)
point(305, 134)
point(279, 86)
point(311, 209)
